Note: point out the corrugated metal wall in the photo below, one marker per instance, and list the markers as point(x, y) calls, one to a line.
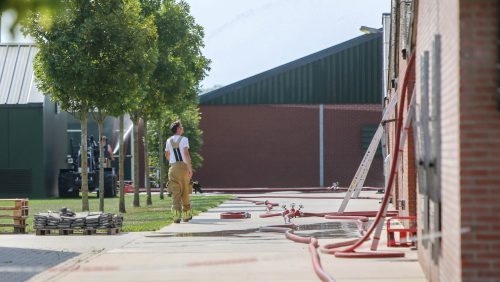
point(348, 73)
point(32, 140)
point(16, 75)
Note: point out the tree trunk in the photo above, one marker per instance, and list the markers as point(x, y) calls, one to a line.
point(149, 201)
point(160, 159)
point(137, 181)
point(100, 121)
point(84, 164)
point(121, 172)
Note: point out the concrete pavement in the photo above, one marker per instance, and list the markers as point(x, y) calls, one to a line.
point(211, 249)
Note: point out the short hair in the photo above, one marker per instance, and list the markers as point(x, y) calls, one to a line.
point(176, 124)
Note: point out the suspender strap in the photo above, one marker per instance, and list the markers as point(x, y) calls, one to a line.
point(175, 148)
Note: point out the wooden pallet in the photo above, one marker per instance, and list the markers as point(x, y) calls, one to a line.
point(88, 231)
point(16, 210)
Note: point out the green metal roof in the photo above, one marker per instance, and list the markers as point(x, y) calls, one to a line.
point(347, 73)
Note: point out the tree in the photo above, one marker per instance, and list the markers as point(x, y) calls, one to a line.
point(121, 166)
point(181, 41)
point(96, 56)
point(127, 58)
point(22, 8)
point(180, 67)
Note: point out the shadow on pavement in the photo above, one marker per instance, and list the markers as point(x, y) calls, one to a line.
point(18, 264)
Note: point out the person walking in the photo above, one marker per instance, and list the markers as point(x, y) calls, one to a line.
point(179, 173)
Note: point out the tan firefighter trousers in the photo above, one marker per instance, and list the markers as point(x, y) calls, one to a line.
point(180, 187)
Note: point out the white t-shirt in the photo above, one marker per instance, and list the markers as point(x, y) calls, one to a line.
point(184, 144)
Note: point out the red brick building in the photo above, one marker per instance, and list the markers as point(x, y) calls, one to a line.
point(450, 167)
point(277, 145)
point(304, 124)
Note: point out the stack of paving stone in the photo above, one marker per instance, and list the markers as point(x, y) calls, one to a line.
point(66, 219)
point(106, 220)
point(66, 222)
point(92, 220)
point(118, 220)
point(40, 220)
point(53, 220)
point(79, 221)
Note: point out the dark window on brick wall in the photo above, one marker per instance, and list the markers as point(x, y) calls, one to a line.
point(367, 133)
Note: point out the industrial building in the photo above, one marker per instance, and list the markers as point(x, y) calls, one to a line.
point(36, 134)
point(445, 55)
point(303, 124)
point(33, 140)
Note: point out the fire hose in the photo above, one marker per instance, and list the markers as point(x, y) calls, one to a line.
point(241, 198)
point(340, 214)
point(313, 249)
point(256, 202)
point(353, 244)
point(268, 190)
point(350, 251)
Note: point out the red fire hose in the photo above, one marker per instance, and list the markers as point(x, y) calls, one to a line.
point(353, 213)
point(268, 190)
point(256, 202)
point(316, 262)
point(350, 251)
point(333, 214)
point(354, 244)
point(265, 215)
point(234, 215)
point(313, 248)
point(304, 197)
point(360, 218)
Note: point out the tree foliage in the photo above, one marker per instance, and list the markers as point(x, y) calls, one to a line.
point(115, 56)
point(97, 55)
point(180, 65)
point(22, 8)
point(179, 69)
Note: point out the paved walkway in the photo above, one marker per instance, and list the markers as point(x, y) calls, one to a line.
point(211, 249)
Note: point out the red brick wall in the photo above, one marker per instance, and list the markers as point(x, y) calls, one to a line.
point(470, 132)
point(404, 190)
point(479, 141)
point(441, 17)
point(343, 154)
point(407, 173)
point(278, 145)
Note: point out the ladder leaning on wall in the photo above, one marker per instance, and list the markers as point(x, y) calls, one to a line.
point(359, 178)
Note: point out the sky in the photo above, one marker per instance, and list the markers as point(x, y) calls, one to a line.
point(247, 37)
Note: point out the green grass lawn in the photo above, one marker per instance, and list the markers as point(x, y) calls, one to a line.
point(144, 218)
